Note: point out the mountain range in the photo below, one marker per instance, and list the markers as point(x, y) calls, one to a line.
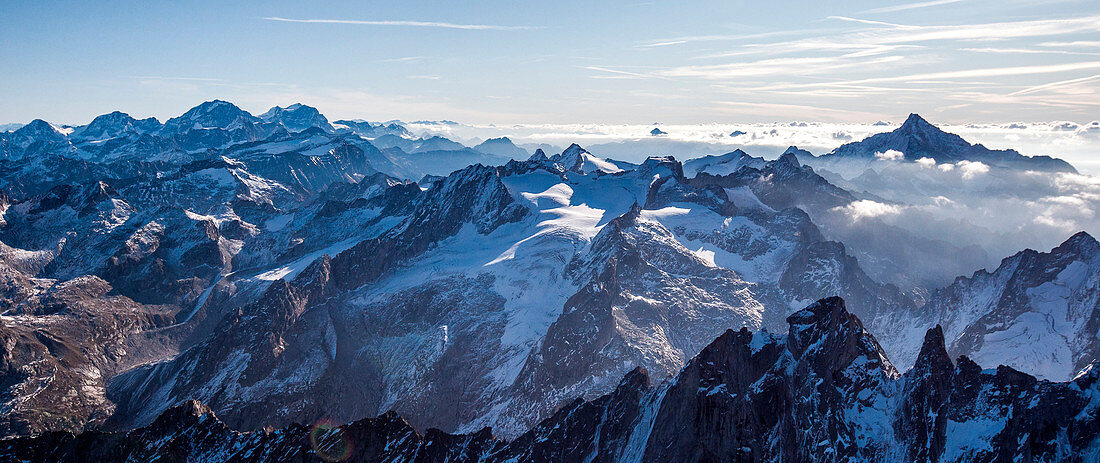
point(279, 270)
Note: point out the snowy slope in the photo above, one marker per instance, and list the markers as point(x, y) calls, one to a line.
point(1037, 312)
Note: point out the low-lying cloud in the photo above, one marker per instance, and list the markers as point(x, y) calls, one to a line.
point(890, 155)
point(1076, 142)
point(865, 208)
point(969, 203)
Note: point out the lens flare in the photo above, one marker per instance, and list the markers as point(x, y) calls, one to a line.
point(329, 442)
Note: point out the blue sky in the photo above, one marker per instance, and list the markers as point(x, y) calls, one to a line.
point(628, 62)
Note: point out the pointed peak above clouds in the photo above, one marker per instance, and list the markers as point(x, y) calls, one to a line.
point(572, 149)
point(917, 138)
point(915, 121)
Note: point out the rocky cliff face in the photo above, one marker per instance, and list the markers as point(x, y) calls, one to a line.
point(1037, 312)
point(60, 341)
point(824, 391)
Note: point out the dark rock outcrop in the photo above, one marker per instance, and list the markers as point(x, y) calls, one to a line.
point(822, 392)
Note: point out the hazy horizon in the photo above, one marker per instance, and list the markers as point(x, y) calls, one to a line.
point(1073, 141)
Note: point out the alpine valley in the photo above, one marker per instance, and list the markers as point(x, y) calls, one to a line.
point(224, 286)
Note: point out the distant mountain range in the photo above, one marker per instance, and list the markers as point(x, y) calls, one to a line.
point(280, 269)
point(120, 146)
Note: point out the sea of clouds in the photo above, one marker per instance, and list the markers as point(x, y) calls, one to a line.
point(1078, 143)
point(967, 204)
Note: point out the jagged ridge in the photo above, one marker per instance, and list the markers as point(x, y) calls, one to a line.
point(822, 392)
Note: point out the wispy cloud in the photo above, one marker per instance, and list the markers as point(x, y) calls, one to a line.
point(618, 74)
point(884, 37)
point(1052, 85)
point(900, 33)
point(961, 74)
point(436, 24)
point(1078, 43)
point(850, 49)
point(911, 6)
point(871, 22)
point(405, 59)
point(663, 44)
point(717, 38)
point(1025, 51)
point(794, 111)
point(807, 69)
point(772, 67)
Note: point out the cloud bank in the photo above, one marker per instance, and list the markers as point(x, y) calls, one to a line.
point(1076, 142)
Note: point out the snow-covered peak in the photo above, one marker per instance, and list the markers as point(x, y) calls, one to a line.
point(723, 164)
point(577, 159)
point(211, 114)
point(36, 133)
point(1035, 312)
point(661, 167)
point(40, 130)
point(297, 117)
point(114, 124)
point(371, 130)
